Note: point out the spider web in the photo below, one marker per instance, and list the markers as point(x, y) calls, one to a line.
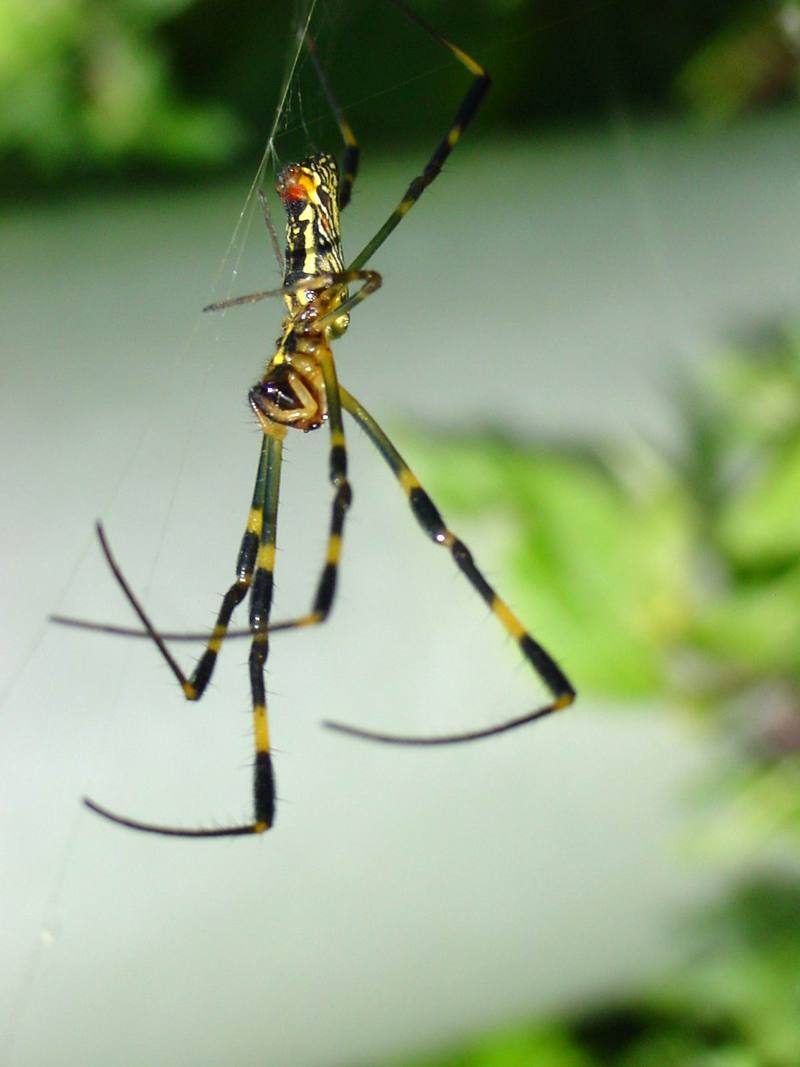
point(289, 103)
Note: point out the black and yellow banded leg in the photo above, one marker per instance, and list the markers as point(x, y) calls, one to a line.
point(350, 161)
point(261, 583)
point(260, 607)
point(465, 113)
point(352, 152)
point(342, 499)
point(247, 563)
point(254, 566)
point(343, 494)
point(257, 560)
point(431, 521)
point(194, 685)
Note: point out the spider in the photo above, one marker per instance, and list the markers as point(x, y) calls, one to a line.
point(299, 390)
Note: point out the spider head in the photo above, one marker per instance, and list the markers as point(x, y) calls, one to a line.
point(309, 191)
point(313, 182)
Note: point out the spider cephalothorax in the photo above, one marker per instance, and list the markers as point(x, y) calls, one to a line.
point(309, 191)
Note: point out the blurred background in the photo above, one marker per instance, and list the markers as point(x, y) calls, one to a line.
point(587, 344)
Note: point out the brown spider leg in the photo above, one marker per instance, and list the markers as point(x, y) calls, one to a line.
point(434, 526)
point(372, 282)
point(370, 278)
point(271, 231)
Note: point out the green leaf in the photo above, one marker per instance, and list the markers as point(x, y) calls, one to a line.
point(763, 518)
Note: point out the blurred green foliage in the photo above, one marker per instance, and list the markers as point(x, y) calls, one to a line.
point(669, 574)
point(693, 555)
point(736, 1005)
point(754, 59)
point(86, 86)
point(675, 573)
point(100, 86)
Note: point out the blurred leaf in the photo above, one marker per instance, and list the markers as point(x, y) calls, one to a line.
point(580, 568)
point(749, 62)
point(84, 85)
point(600, 574)
point(751, 804)
point(748, 975)
point(553, 63)
point(538, 1047)
point(629, 564)
point(753, 630)
point(675, 1047)
point(757, 387)
point(763, 518)
point(678, 576)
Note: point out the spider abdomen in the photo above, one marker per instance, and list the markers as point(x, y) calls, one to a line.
point(291, 393)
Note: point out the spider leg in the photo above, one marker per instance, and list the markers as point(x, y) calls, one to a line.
point(260, 607)
point(271, 231)
point(370, 278)
point(352, 152)
point(166, 831)
point(193, 685)
point(434, 526)
point(342, 499)
point(372, 281)
point(255, 567)
point(464, 115)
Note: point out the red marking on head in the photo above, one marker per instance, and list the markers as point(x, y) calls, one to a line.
point(294, 185)
point(294, 191)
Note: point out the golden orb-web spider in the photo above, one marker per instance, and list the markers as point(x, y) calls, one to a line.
point(299, 389)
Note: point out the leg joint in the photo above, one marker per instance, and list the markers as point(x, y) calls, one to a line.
point(427, 514)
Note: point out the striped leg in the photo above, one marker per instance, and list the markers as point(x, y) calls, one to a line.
point(434, 526)
point(326, 586)
point(257, 560)
point(462, 118)
point(342, 499)
point(343, 495)
point(352, 152)
point(194, 685)
point(260, 607)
